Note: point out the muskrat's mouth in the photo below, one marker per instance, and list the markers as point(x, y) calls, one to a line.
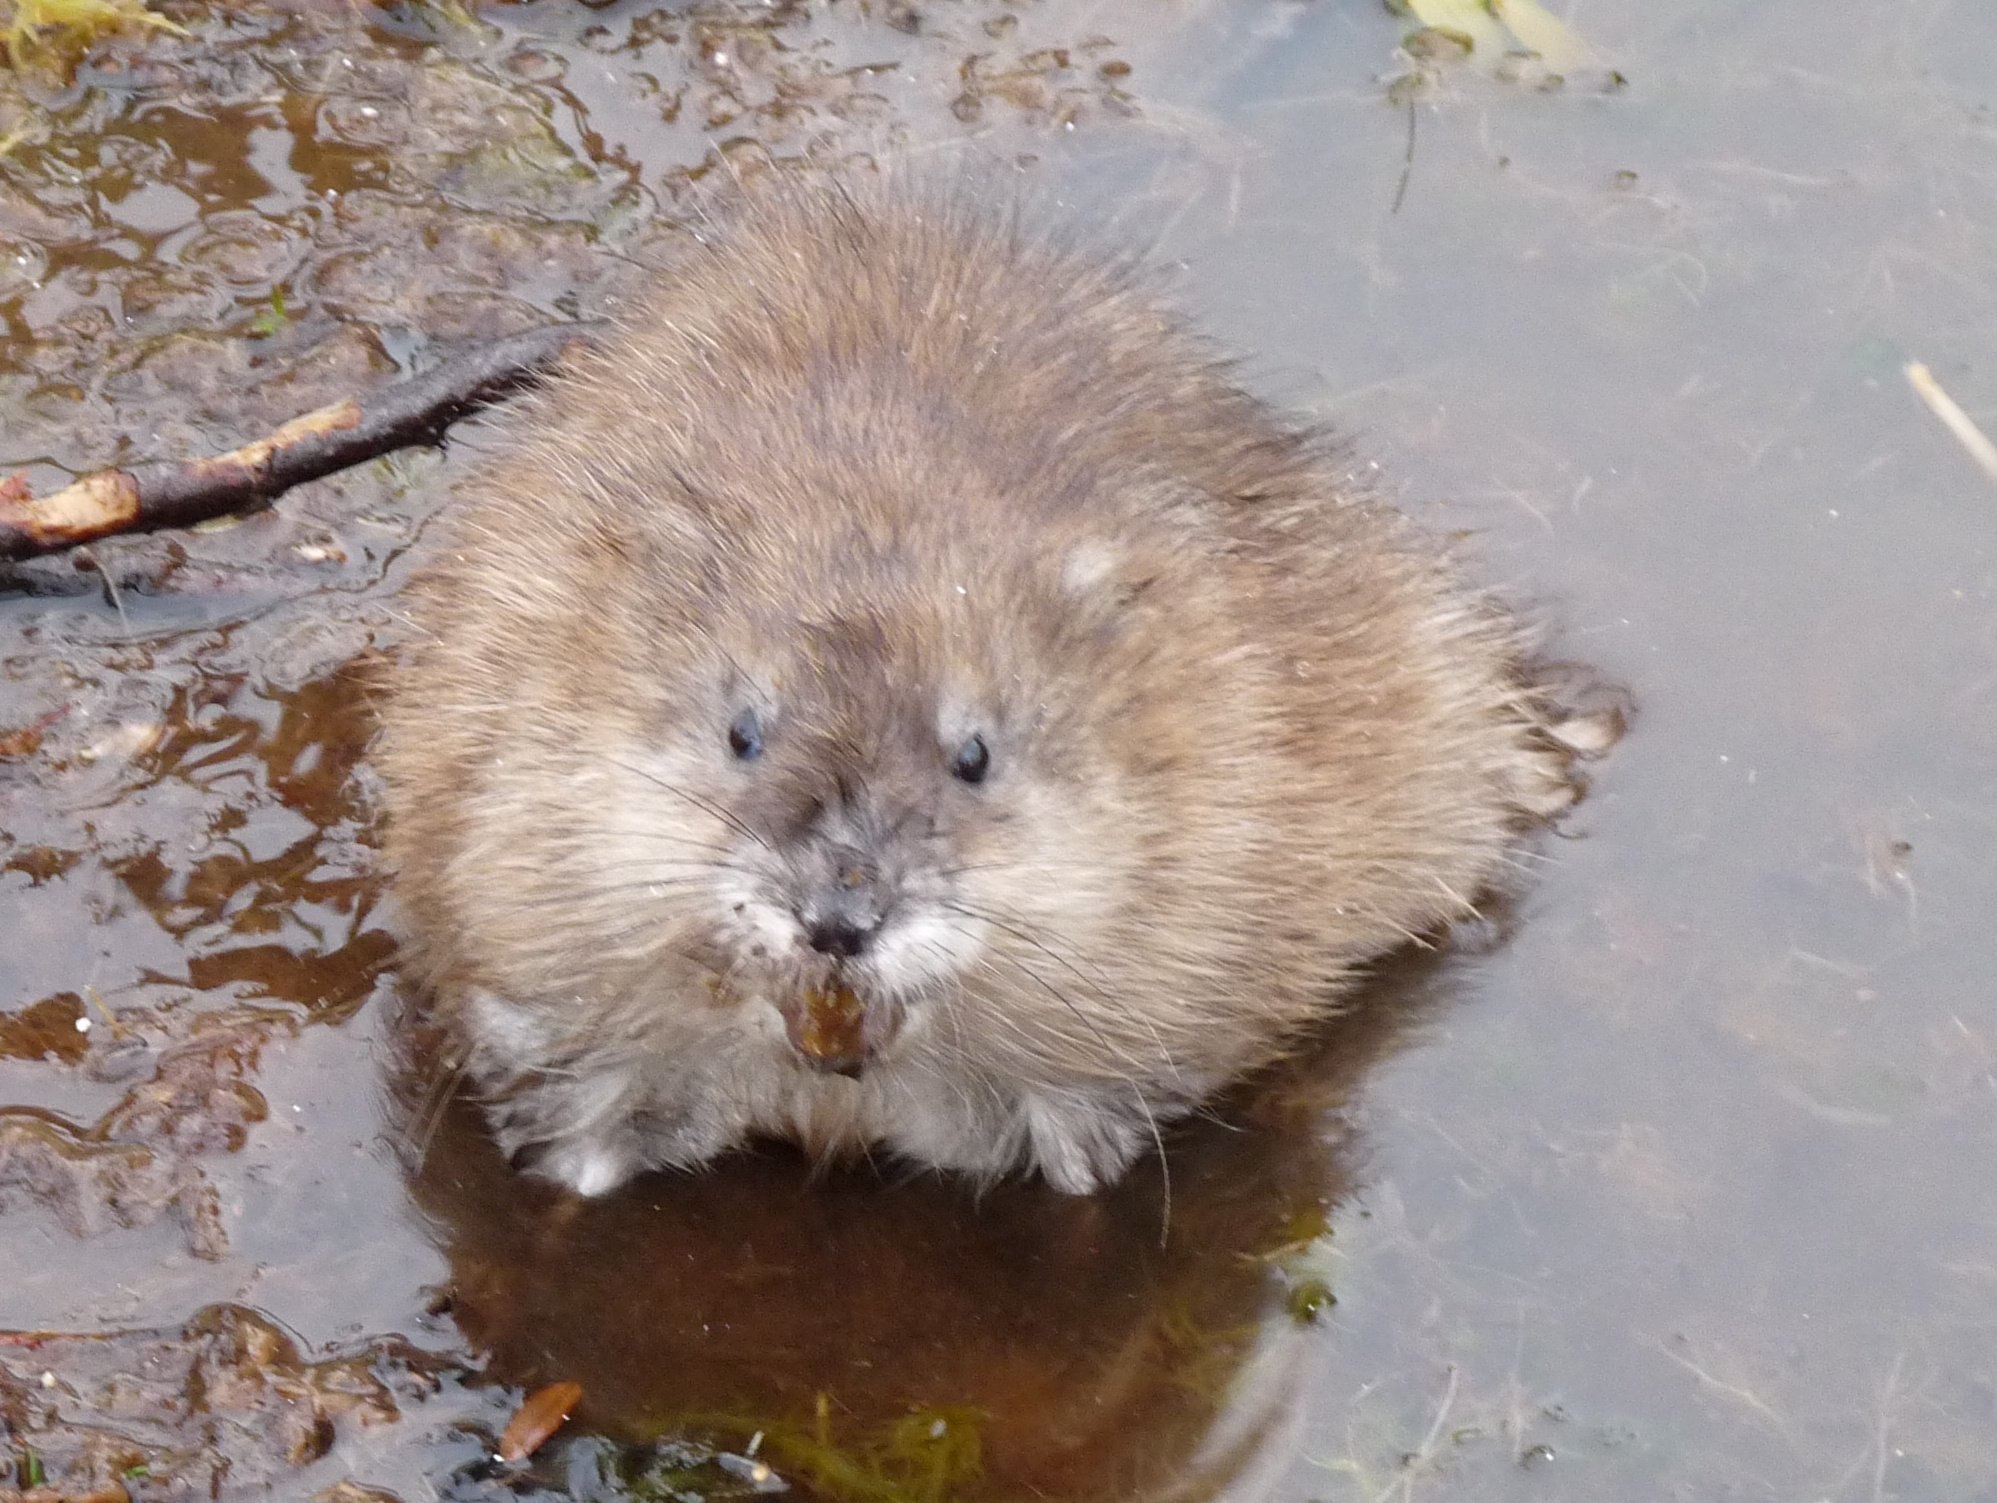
point(828, 1026)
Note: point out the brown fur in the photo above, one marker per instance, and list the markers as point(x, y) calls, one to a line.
point(889, 473)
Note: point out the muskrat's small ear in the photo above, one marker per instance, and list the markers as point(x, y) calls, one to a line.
point(1089, 567)
point(1102, 577)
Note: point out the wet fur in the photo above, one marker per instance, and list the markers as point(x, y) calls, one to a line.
point(891, 471)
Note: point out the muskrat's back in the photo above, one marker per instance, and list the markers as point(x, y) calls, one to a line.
point(898, 690)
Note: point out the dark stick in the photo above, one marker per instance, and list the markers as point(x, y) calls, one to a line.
point(179, 493)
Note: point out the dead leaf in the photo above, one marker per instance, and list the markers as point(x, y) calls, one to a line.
point(540, 1415)
point(27, 741)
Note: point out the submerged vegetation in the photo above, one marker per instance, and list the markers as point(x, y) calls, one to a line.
point(40, 32)
point(928, 1455)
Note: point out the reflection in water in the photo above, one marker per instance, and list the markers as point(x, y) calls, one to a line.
point(892, 1336)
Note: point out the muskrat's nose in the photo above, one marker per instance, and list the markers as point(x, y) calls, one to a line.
point(840, 933)
point(844, 915)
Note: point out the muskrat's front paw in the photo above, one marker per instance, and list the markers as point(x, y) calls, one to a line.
point(1082, 1148)
point(589, 1166)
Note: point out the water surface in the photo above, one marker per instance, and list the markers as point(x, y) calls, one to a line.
point(1684, 1190)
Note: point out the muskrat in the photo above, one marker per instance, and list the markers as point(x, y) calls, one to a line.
point(899, 691)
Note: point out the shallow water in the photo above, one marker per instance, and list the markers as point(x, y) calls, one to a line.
point(1683, 1191)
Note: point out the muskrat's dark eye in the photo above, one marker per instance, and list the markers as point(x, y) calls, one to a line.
point(972, 762)
point(745, 736)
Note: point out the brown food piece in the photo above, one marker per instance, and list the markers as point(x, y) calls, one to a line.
point(829, 1026)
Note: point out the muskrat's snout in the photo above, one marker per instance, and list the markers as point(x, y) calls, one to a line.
point(843, 912)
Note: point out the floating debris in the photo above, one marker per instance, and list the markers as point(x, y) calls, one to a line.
point(1515, 41)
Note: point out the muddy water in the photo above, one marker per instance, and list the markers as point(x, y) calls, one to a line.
point(1685, 1190)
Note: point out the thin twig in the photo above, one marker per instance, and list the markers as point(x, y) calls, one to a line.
point(1405, 1483)
point(1958, 422)
point(1407, 158)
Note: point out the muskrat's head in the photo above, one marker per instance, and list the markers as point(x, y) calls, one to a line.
point(891, 799)
point(863, 777)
